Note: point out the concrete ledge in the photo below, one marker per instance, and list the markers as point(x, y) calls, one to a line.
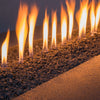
point(80, 83)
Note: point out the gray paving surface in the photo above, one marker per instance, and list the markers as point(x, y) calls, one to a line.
point(79, 83)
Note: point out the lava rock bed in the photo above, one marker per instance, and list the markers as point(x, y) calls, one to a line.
point(17, 78)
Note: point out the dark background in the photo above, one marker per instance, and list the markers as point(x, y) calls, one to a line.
point(9, 11)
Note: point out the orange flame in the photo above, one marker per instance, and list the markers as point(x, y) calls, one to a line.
point(4, 50)
point(97, 15)
point(92, 16)
point(54, 28)
point(21, 29)
point(32, 21)
point(63, 25)
point(71, 9)
point(45, 31)
point(81, 17)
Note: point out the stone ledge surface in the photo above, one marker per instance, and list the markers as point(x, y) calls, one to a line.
point(79, 83)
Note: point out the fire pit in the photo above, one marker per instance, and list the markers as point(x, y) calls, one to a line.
point(31, 64)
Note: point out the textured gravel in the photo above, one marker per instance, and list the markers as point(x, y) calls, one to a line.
point(19, 78)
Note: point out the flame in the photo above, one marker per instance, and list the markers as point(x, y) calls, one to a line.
point(92, 16)
point(81, 17)
point(71, 9)
point(32, 21)
point(21, 29)
point(97, 15)
point(63, 25)
point(4, 50)
point(54, 28)
point(45, 31)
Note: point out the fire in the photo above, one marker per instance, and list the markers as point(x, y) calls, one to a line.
point(54, 28)
point(81, 17)
point(32, 21)
point(4, 50)
point(63, 25)
point(71, 9)
point(21, 29)
point(45, 31)
point(97, 15)
point(92, 16)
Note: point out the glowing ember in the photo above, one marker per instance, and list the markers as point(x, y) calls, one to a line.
point(21, 29)
point(70, 8)
point(45, 31)
point(32, 21)
point(81, 17)
point(63, 25)
point(54, 28)
point(92, 16)
point(4, 50)
point(97, 15)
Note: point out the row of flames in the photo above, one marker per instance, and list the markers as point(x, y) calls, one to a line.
point(22, 26)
